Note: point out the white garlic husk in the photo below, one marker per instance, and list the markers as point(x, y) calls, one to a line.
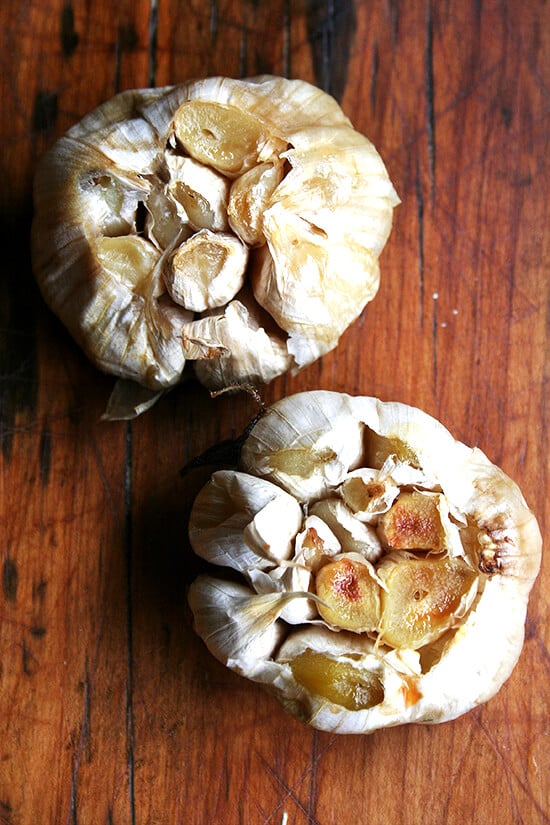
point(396, 589)
point(236, 224)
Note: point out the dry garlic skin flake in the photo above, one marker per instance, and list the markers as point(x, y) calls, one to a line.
point(385, 568)
point(235, 224)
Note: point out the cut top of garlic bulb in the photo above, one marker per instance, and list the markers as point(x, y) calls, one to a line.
point(165, 206)
point(385, 567)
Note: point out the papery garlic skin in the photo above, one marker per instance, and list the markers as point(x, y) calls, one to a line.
point(357, 670)
point(265, 165)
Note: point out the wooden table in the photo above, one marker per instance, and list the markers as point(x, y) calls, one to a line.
point(111, 709)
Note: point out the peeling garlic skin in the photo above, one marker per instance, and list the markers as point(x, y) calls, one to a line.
point(267, 166)
point(395, 588)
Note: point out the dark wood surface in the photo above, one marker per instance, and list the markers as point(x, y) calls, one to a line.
point(111, 710)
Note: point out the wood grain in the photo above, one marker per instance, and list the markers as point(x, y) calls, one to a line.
point(111, 710)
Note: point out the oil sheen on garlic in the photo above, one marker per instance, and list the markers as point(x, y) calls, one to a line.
point(361, 531)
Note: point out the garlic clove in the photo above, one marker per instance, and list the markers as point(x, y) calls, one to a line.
point(314, 546)
point(131, 260)
point(245, 630)
point(423, 598)
point(342, 683)
point(315, 543)
point(349, 594)
point(206, 271)
point(354, 536)
point(337, 680)
point(368, 494)
point(243, 522)
point(224, 136)
point(249, 198)
point(413, 523)
point(250, 351)
point(200, 194)
point(298, 447)
point(321, 243)
point(163, 226)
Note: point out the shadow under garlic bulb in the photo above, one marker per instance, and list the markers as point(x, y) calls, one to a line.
point(385, 568)
point(236, 224)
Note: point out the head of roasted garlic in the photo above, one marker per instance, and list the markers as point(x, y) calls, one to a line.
point(236, 224)
point(384, 568)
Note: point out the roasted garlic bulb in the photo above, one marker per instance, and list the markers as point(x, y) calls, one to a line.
point(385, 567)
point(233, 223)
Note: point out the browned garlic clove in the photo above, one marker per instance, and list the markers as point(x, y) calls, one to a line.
point(349, 594)
point(413, 523)
point(422, 598)
point(352, 634)
point(123, 202)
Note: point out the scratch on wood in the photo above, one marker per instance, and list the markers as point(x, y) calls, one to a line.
point(481, 80)
point(85, 733)
point(420, 218)
point(429, 81)
point(222, 786)
point(507, 115)
point(290, 792)
point(101, 471)
point(227, 778)
point(129, 622)
point(460, 758)
point(478, 4)
point(73, 812)
point(312, 798)
point(44, 455)
point(83, 747)
point(510, 774)
point(374, 74)
point(10, 580)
